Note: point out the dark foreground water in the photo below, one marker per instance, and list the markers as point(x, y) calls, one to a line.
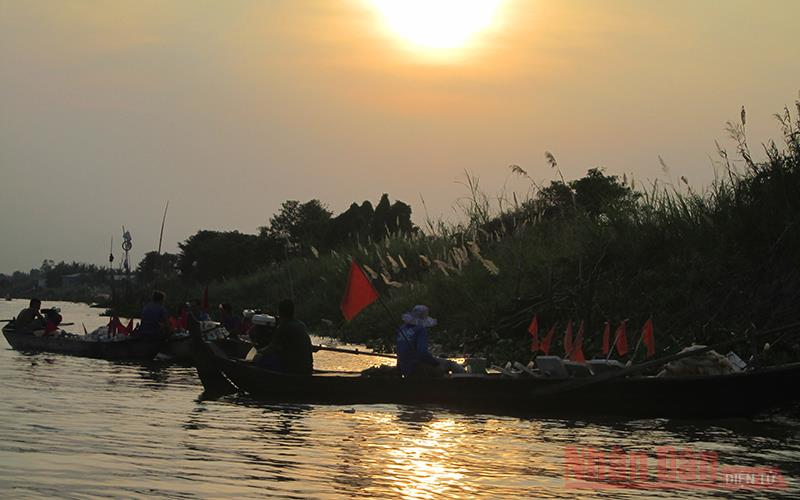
point(72, 427)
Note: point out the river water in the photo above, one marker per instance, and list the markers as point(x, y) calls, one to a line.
point(78, 428)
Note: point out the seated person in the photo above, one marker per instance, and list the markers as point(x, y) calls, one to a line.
point(413, 358)
point(30, 319)
point(230, 321)
point(155, 318)
point(180, 323)
point(196, 309)
point(290, 350)
point(53, 319)
point(245, 326)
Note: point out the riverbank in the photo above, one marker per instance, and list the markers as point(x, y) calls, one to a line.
point(701, 265)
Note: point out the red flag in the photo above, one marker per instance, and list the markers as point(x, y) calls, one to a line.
point(359, 292)
point(533, 329)
point(568, 339)
point(606, 337)
point(545, 345)
point(621, 338)
point(577, 350)
point(130, 326)
point(116, 326)
point(205, 300)
point(648, 338)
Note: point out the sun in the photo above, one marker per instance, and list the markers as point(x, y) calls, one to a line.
point(437, 24)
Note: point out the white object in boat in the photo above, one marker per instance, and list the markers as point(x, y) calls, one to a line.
point(552, 366)
point(263, 320)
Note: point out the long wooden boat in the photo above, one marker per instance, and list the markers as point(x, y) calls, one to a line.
point(181, 349)
point(135, 348)
point(735, 395)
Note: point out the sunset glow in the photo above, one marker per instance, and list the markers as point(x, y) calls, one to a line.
point(437, 24)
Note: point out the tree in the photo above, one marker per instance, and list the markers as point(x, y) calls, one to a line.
point(351, 225)
point(597, 193)
point(391, 219)
point(381, 218)
point(154, 266)
point(400, 221)
point(301, 225)
point(212, 255)
point(557, 198)
point(594, 194)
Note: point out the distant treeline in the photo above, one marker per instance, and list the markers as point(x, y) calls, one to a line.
point(298, 229)
point(82, 280)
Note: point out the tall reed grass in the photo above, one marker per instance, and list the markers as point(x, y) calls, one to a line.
point(702, 264)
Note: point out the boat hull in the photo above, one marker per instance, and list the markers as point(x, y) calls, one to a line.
point(132, 349)
point(183, 349)
point(736, 395)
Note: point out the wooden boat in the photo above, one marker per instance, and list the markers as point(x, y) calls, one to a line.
point(135, 348)
point(180, 349)
point(734, 395)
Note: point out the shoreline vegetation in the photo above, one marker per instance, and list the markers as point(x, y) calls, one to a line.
point(703, 265)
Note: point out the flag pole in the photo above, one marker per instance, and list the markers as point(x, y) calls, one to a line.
point(163, 221)
point(635, 351)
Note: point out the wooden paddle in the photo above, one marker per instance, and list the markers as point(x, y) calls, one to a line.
point(353, 351)
point(10, 320)
point(571, 385)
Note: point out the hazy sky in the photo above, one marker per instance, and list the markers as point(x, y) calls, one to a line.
point(226, 109)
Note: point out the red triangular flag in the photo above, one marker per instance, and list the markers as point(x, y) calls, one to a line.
point(130, 326)
point(606, 338)
point(568, 339)
point(205, 300)
point(359, 292)
point(577, 350)
point(112, 325)
point(533, 329)
point(545, 345)
point(117, 326)
point(621, 338)
point(648, 338)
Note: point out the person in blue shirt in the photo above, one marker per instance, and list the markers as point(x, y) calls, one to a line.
point(196, 309)
point(155, 318)
point(413, 358)
point(231, 322)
